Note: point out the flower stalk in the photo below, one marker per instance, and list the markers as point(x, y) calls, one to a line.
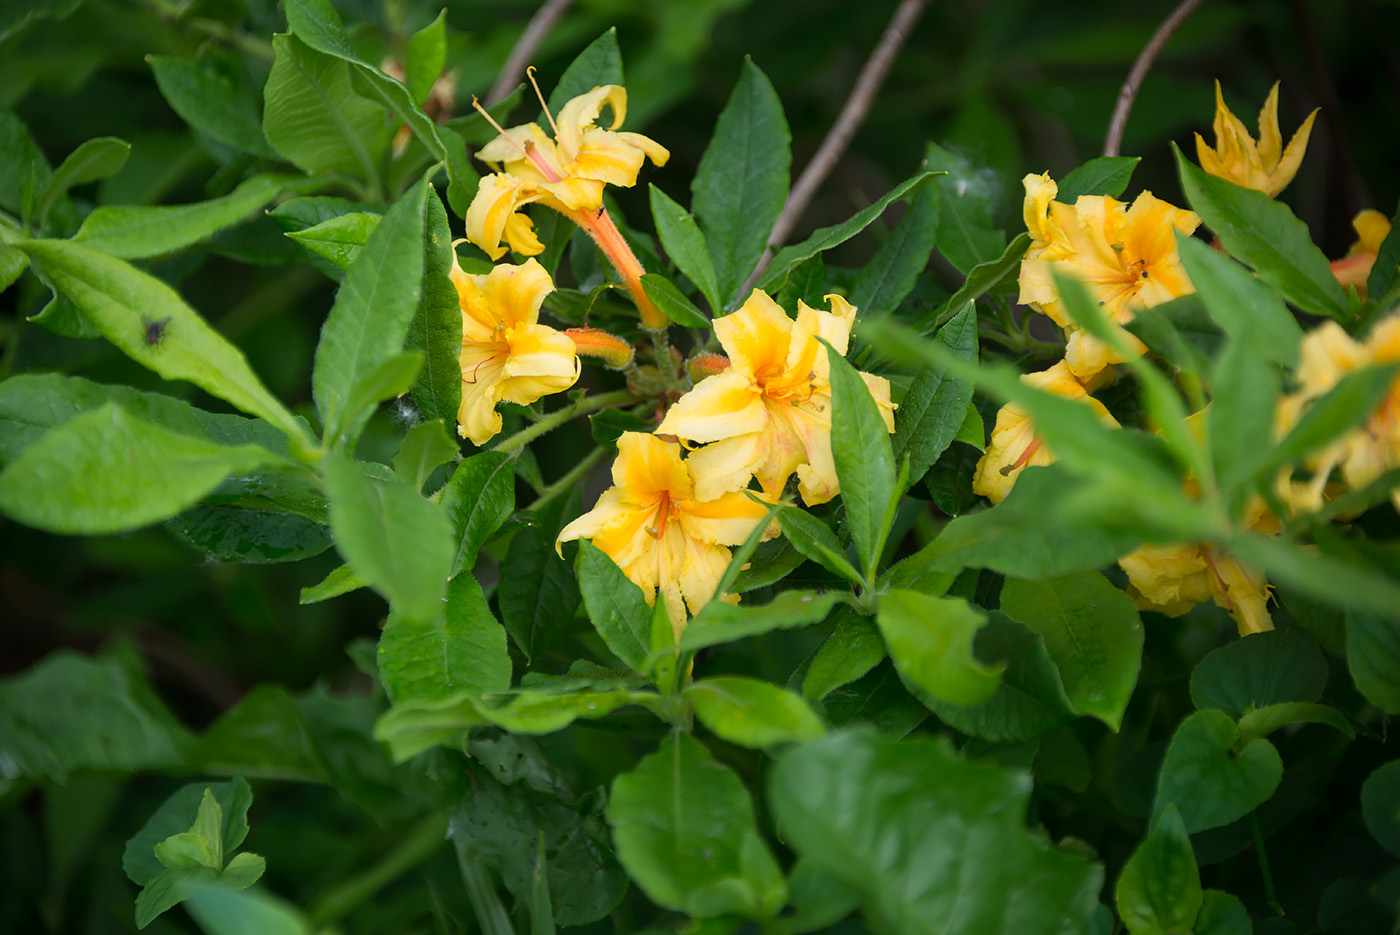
point(557, 418)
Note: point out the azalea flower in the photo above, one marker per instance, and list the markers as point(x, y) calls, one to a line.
point(660, 531)
point(1125, 255)
point(566, 172)
point(768, 414)
point(1326, 355)
point(1015, 446)
point(1354, 269)
point(506, 353)
point(1266, 165)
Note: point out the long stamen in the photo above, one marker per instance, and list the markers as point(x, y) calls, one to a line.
point(492, 120)
point(1031, 449)
point(528, 150)
point(663, 513)
point(530, 73)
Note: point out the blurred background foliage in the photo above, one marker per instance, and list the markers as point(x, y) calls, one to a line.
point(1013, 85)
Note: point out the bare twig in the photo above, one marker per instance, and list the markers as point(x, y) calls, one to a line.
point(852, 115)
point(513, 72)
point(1149, 54)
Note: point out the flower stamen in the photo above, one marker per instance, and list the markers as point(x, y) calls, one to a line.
point(1031, 449)
point(530, 73)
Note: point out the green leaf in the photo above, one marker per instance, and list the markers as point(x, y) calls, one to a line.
point(263, 736)
point(19, 157)
point(1387, 259)
point(340, 580)
point(71, 712)
point(685, 245)
point(12, 264)
point(93, 160)
point(179, 813)
point(884, 282)
point(1380, 806)
point(145, 474)
point(537, 712)
point(1332, 578)
point(462, 650)
point(857, 806)
point(824, 238)
point(477, 500)
point(673, 304)
point(860, 446)
point(854, 647)
point(1210, 778)
point(437, 324)
point(965, 233)
point(1261, 722)
point(936, 405)
point(753, 713)
point(210, 103)
point(425, 58)
point(1031, 700)
point(598, 64)
point(1259, 670)
point(1222, 914)
point(742, 180)
point(424, 448)
point(313, 117)
point(1248, 310)
point(1342, 408)
point(1243, 385)
point(369, 321)
point(222, 911)
point(541, 909)
point(538, 593)
point(616, 606)
point(721, 622)
point(339, 239)
point(233, 532)
point(1373, 656)
point(981, 279)
point(399, 543)
point(684, 829)
point(1264, 234)
point(930, 640)
point(1092, 632)
point(501, 824)
point(120, 299)
point(815, 540)
point(1107, 175)
point(134, 232)
point(1159, 890)
point(877, 699)
point(168, 890)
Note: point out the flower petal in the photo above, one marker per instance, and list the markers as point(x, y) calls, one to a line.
point(726, 520)
point(726, 465)
point(722, 406)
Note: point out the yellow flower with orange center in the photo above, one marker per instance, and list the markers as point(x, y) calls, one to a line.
point(566, 172)
point(660, 531)
point(1124, 254)
point(1015, 446)
point(1326, 355)
point(1266, 165)
point(506, 353)
point(768, 414)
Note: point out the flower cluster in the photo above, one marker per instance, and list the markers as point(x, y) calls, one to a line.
point(766, 416)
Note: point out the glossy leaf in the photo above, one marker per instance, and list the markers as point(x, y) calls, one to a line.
point(339, 239)
point(436, 329)
point(1092, 632)
point(1264, 234)
point(752, 712)
point(539, 592)
point(1208, 780)
point(615, 606)
point(981, 279)
point(935, 406)
point(221, 911)
point(598, 64)
point(672, 303)
point(1107, 175)
point(856, 805)
point(854, 647)
point(1259, 670)
point(1222, 914)
point(815, 540)
point(930, 640)
point(884, 282)
point(685, 245)
point(479, 497)
point(860, 446)
point(1159, 890)
point(684, 829)
point(462, 649)
point(209, 102)
point(1380, 806)
point(965, 233)
point(1247, 309)
point(93, 160)
point(1261, 722)
point(148, 474)
point(369, 321)
point(392, 538)
point(742, 179)
point(425, 447)
point(425, 57)
point(721, 622)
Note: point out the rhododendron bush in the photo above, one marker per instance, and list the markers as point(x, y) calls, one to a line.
point(446, 493)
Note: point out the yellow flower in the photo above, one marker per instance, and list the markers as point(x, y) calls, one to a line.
point(506, 354)
point(662, 535)
point(1125, 255)
point(768, 413)
point(1354, 269)
point(1015, 445)
point(1326, 355)
point(566, 172)
point(1266, 165)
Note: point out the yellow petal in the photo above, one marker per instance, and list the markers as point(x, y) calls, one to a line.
point(700, 575)
point(497, 199)
point(721, 406)
point(609, 510)
point(756, 337)
point(658, 154)
point(515, 293)
point(477, 418)
point(607, 157)
point(1270, 140)
point(726, 520)
point(727, 465)
point(581, 113)
point(541, 362)
point(647, 467)
point(816, 471)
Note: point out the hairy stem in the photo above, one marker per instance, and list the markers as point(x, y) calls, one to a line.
point(1145, 58)
point(570, 480)
point(557, 418)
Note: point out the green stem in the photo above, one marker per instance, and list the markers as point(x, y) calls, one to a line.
point(420, 843)
point(570, 480)
point(1264, 865)
point(665, 363)
point(557, 418)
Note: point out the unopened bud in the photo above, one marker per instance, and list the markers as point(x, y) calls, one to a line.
point(645, 381)
point(609, 348)
point(705, 365)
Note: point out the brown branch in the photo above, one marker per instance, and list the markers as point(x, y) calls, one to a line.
point(852, 115)
point(1149, 54)
point(513, 71)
